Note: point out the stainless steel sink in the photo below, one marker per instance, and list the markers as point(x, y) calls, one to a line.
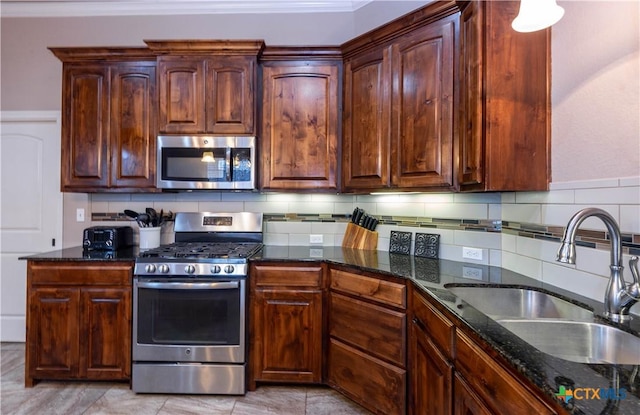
point(512, 303)
point(578, 341)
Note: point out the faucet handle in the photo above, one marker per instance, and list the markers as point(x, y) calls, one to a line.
point(634, 288)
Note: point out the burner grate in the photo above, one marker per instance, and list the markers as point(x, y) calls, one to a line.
point(203, 250)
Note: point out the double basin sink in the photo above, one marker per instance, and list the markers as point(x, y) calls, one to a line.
point(552, 325)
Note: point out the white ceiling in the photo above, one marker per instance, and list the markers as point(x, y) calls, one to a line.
point(58, 8)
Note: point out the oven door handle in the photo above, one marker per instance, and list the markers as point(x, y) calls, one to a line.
point(225, 285)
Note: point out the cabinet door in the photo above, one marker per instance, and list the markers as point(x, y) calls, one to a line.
point(505, 120)
point(373, 383)
point(422, 106)
point(230, 87)
point(299, 127)
point(85, 126)
point(466, 401)
point(290, 331)
point(430, 376)
point(52, 334)
point(133, 124)
point(365, 151)
point(182, 94)
point(105, 336)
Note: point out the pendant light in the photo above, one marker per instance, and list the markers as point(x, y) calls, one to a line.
point(537, 15)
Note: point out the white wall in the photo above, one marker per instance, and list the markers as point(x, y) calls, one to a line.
point(595, 90)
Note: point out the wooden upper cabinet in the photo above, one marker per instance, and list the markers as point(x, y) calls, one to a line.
point(365, 145)
point(133, 126)
point(299, 136)
point(182, 94)
point(108, 119)
point(85, 128)
point(422, 106)
point(399, 110)
point(505, 104)
point(230, 96)
point(207, 86)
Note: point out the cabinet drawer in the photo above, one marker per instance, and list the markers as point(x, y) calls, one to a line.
point(80, 273)
point(379, 290)
point(493, 383)
point(440, 329)
point(287, 275)
point(379, 331)
point(374, 384)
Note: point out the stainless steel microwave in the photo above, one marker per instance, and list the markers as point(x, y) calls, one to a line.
point(206, 162)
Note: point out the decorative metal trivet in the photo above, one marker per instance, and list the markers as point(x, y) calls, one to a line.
point(400, 243)
point(427, 245)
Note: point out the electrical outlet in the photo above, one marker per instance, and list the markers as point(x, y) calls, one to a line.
point(316, 252)
point(472, 273)
point(315, 239)
point(79, 215)
point(472, 253)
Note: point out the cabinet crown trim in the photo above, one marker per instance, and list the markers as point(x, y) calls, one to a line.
point(208, 47)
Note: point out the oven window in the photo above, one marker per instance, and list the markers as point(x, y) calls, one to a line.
point(190, 317)
point(195, 164)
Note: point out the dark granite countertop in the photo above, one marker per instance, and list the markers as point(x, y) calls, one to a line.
point(545, 371)
point(77, 253)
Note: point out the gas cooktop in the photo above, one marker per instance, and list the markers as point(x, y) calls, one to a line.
point(203, 250)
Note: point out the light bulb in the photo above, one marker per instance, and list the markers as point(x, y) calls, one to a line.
point(537, 15)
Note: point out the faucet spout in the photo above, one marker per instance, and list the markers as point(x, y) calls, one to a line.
point(618, 299)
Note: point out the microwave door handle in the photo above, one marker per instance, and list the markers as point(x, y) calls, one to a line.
point(228, 285)
point(228, 164)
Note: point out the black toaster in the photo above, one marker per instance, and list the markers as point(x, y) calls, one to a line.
point(107, 238)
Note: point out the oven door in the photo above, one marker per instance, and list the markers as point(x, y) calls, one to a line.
point(187, 320)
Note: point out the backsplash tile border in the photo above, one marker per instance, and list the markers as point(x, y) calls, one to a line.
point(584, 237)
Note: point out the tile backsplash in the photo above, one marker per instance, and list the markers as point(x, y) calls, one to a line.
point(519, 231)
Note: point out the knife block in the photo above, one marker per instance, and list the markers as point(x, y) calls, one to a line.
point(358, 237)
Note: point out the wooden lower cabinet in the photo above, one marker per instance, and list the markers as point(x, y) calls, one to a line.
point(451, 373)
point(373, 383)
point(431, 375)
point(367, 340)
point(286, 323)
point(78, 321)
point(466, 400)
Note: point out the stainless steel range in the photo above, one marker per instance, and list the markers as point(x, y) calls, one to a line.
point(189, 306)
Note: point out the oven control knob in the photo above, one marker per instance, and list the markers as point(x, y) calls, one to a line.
point(164, 268)
point(216, 269)
point(150, 268)
point(189, 269)
point(229, 269)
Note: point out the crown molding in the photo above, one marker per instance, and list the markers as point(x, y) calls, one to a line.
point(55, 8)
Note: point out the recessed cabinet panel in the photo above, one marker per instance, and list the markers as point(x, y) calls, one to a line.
point(133, 124)
point(422, 122)
point(229, 95)
point(181, 95)
point(85, 126)
point(52, 334)
point(300, 126)
point(365, 157)
point(107, 338)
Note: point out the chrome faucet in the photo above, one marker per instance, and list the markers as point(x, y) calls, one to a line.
point(619, 297)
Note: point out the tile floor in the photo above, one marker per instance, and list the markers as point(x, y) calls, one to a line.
point(50, 398)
